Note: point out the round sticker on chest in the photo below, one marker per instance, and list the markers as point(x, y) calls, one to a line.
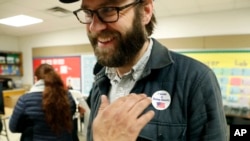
point(161, 100)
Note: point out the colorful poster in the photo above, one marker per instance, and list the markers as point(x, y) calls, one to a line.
point(232, 69)
point(69, 67)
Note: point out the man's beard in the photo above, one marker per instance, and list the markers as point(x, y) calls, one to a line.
point(125, 50)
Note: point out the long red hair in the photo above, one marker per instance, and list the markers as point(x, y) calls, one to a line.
point(55, 101)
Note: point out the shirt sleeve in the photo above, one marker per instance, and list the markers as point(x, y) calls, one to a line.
point(207, 118)
point(15, 123)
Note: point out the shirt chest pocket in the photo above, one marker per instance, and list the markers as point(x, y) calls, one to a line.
point(156, 131)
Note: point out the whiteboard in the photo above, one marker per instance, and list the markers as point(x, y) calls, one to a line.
point(87, 64)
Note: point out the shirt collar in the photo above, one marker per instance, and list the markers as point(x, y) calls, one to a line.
point(38, 86)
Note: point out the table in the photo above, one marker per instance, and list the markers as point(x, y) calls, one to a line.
point(8, 111)
point(10, 96)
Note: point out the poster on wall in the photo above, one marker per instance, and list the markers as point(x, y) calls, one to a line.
point(69, 67)
point(232, 69)
point(88, 62)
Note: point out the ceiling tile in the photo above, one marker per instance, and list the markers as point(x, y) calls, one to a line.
point(37, 8)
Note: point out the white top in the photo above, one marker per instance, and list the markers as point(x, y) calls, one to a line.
point(80, 101)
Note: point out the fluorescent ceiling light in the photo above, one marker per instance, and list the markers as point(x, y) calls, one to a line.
point(20, 20)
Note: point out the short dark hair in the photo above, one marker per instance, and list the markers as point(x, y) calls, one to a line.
point(151, 25)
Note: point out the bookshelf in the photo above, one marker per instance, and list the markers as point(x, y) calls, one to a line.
point(11, 64)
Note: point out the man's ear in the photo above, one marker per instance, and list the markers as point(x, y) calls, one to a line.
point(148, 9)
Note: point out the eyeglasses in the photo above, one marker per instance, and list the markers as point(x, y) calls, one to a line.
point(105, 14)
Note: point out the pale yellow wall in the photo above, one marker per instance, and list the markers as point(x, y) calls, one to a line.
point(209, 42)
point(61, 50)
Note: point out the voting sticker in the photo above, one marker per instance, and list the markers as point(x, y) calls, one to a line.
point(161, 100)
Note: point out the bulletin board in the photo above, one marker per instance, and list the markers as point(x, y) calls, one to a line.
point(69, 67)
point(232, 69)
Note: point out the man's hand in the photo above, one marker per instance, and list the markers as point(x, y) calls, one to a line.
point(122, 119)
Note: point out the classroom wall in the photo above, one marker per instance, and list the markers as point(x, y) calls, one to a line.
point(9, 43)
point(199, 31)
point(208, 42)
point(208, 24)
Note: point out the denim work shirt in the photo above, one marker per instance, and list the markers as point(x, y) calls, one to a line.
point(195, 112)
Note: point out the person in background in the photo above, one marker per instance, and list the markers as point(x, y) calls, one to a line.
point(186, 98)
point(45, 112)
point(69, 86)
point(82, 112)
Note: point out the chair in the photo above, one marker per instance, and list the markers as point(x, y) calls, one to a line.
point(4, 131)
point(3, 115)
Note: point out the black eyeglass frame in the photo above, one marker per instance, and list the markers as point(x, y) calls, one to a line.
point(118, 9)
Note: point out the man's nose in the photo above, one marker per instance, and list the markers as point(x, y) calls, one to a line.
point(96, 24)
